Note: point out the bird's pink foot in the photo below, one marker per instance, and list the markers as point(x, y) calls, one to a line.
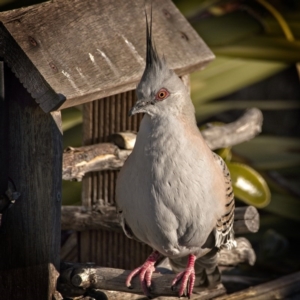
point(187, 278)
point(145, 273)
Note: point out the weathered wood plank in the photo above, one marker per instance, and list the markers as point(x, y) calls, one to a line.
point(86, 50)
point(3, 140)
point(27, 73)
point(30, 235)
point(80, 218)
point(102, 118)
point(69, 251)
point(82, 276)
point(98, 157)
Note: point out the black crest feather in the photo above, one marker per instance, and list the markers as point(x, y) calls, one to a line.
point(152, 58)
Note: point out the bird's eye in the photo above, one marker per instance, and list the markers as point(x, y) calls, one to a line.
point(162, 94)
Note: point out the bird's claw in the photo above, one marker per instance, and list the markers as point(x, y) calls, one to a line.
point(187, 279)
point(145, 274)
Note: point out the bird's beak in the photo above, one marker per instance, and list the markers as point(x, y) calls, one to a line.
point(138, 108)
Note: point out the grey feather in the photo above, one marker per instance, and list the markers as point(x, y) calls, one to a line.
point(171, 191)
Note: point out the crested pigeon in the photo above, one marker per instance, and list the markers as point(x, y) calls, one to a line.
point(173, 193)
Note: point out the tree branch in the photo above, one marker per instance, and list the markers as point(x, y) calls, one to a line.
point(242, 130)
point(76, 278)
point(105, 156)
point(246, 219)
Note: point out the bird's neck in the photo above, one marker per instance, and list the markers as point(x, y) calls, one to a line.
point(168, 126)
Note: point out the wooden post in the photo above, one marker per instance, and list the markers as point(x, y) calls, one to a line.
point(3, 134)
point(30, 235)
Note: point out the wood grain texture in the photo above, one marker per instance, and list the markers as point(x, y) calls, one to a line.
point(242, 253)
point(3, 140)
point(86, 50)
point(108, 248)
point(80, 218)
point(246, 220)
point(243, 129)
point(30, 235)
point(27, 73)
point(99, 157)
point(95, 277)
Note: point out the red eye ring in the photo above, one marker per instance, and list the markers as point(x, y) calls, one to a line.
point(162, 94)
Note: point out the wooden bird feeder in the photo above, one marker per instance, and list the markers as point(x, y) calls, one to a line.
point(60, 54)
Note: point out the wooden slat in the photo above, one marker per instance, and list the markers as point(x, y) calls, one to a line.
point(69, 251)
point(86, 50)
point(30, 236)
point(112, 249)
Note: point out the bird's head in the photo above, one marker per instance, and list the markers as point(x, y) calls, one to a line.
point(160, 90)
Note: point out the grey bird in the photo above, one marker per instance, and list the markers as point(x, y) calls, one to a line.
point(173, 193)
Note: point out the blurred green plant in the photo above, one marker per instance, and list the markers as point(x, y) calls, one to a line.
point(72, 129)
point(252, 40)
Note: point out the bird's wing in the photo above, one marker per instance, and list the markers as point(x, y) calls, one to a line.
point(224, 228)
point(127, 230)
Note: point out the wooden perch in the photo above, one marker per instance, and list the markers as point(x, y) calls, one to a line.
point(105, 156)
point(75, 278)
point(246, 219)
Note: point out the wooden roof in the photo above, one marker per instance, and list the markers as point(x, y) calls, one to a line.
point(67, 52)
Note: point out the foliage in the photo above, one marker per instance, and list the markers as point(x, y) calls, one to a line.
point(251, 42)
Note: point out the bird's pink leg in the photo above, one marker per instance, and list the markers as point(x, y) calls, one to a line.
point(145, 272)
point(187, 277)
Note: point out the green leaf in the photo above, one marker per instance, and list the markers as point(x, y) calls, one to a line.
point(262, 47)
point(269, 152)
point(225, 75)
point(192, 8)
point(227, 29)
point(213, 108)
point(248, 185)
point(285, 206)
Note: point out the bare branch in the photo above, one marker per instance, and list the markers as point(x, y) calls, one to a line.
point(75, 278)
point(243, 129)
point(79, 161)
point(242, 253)
point(82, 277)
point(78, 218)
